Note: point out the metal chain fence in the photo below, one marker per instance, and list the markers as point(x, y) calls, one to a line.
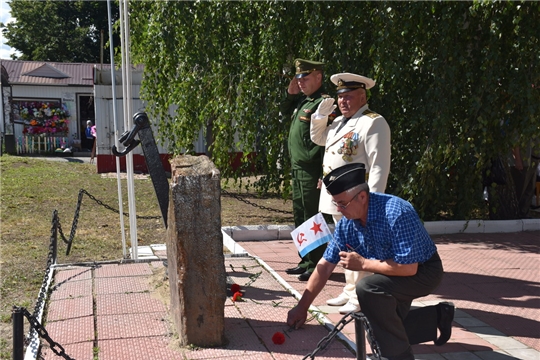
point(253, 204)
point(42, 332)
point(36, 328)
point(83, 192)
point(74, 224)
point(51, 259)
point(325, 341)
point(99, 202)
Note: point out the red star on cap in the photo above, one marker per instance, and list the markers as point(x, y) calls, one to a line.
point(316, 227)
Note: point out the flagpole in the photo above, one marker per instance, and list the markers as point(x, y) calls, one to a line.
point(126, 91)
point(116, 141)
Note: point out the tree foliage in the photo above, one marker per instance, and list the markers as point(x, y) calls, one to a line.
point(457, 82)
point(60, 31)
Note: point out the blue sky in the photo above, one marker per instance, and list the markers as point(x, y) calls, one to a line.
point(5, 17)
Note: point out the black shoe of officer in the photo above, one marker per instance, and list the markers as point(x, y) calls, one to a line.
point(445, 316)
point(305, 276)
point(295, 270)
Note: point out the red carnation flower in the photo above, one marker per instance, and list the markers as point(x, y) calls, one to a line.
point(235, 288)
point(278, 338)
point(237, 296)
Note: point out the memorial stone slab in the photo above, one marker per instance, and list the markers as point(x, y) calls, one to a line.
point(195, 257)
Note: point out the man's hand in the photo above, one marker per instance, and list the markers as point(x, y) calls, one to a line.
point(356, 262)
point(326, 107)
point(293, 87)
point(351, 261)
point(296, 317)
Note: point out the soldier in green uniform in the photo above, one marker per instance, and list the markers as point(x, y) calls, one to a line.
point(304, 94)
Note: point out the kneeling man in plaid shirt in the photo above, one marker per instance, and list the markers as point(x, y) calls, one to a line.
point(382, 234)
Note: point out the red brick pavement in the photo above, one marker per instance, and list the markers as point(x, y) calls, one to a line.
point(492, 277)
point(109, 312)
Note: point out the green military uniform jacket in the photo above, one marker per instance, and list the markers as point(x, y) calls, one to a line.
point(304, 153)
point(306, 163)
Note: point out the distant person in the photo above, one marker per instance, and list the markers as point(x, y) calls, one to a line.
point(93, 155)
point(89, 135)
point(304, 94)
point(360, 135)
point(382, 234)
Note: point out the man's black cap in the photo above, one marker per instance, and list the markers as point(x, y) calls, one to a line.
point(345, 177)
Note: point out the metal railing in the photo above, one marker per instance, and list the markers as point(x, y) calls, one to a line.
point(36, 328)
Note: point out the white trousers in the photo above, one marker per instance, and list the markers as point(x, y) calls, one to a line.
point(351, 277)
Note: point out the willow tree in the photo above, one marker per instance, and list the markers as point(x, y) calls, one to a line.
point(449, 76)
point(465, 78)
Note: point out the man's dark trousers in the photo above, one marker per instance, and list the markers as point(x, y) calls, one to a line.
point(386, 301)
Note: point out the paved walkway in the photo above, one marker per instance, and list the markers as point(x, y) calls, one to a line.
point(493, 279)
point(119, 311)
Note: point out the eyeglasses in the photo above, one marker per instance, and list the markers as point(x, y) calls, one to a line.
point(347, 204)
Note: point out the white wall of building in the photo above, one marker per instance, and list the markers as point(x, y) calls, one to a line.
point(67, 94)
point(104, 112)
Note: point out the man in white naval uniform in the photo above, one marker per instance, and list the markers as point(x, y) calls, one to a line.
point(358, 136)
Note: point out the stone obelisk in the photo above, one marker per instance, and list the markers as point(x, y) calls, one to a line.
point(195, 257)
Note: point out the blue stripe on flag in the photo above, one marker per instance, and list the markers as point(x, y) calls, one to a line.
point(315, 244)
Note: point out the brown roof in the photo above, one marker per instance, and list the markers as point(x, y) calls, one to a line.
point(49, 73)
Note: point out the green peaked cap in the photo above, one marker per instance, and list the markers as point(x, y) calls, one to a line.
point(305, 67)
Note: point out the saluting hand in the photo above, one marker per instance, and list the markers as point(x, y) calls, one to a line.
point(293, 87)
point(326, 107)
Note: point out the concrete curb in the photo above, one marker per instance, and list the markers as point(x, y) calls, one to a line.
point(283, 232)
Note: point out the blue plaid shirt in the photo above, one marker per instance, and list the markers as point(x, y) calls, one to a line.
point(393, 231)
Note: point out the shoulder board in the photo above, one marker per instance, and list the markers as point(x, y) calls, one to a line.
point(370, 113)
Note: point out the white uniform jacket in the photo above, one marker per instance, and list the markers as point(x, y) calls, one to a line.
point(365, 138)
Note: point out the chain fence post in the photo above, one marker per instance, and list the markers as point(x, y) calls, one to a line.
point(75, 221)
point(18, 333)
point(360, 331)
point(54, 237)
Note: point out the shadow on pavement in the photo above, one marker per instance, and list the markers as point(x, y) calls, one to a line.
point(478, 294)
point(526, 241)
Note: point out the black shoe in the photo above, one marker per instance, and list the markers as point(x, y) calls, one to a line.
point(445, 316)
point(295, 270)
point(305, 276)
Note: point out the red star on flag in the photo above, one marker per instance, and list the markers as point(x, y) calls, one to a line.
point(316, 227)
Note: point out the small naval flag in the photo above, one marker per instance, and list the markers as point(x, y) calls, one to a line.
point(311, 234)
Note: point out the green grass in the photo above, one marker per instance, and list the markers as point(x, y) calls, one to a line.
point(32, 188)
